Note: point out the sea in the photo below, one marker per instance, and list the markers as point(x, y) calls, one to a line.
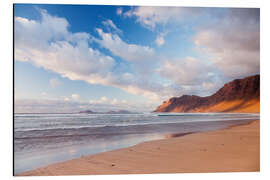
point(43, 139)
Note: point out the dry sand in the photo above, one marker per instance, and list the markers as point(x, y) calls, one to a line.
point(229, 150)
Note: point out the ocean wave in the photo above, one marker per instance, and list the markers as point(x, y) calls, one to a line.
point(68, 127)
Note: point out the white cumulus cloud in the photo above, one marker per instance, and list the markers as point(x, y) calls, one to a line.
point(70, 55)
point(119, 11)
point(150, 16)
point(49, 44)
point(103, 99)
point(233, 42)
point(75, 97)
point(193, 75)
point(160, 40)
point(109, 24)
point(114, 101)
point(129, 52)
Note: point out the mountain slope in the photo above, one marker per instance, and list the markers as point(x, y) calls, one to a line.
point(240, 95)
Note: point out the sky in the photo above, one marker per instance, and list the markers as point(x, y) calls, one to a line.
point(69, 58)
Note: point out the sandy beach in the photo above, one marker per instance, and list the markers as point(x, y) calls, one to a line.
point(234, 149)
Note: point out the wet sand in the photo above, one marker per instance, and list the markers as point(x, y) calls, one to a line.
point(234, 149)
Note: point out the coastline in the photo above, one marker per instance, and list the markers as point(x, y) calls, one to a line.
point(233, 149)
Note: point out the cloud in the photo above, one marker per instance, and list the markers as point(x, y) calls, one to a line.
point(43, 94)
point(177, 71)
point(70, 55)
point(45, 106)
point(75, 97)
point(139, 58)
point(193, 75)
point(150, 16)
point(109, 24)
point(66, 106)
point(54, 82)
point(103, 99)
point(124, 101)
point(114, 101)
point(129, 52)
point(233, 42)
point(229, 36)
point(59, 50)
point(119, 11)
point(160, 40)
point(107, 101)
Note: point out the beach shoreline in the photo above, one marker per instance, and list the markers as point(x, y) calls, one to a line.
point(233, 149)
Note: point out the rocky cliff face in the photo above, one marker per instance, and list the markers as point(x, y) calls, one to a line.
point(240, 95)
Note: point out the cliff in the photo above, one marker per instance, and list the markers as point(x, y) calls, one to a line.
point(240, 95)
